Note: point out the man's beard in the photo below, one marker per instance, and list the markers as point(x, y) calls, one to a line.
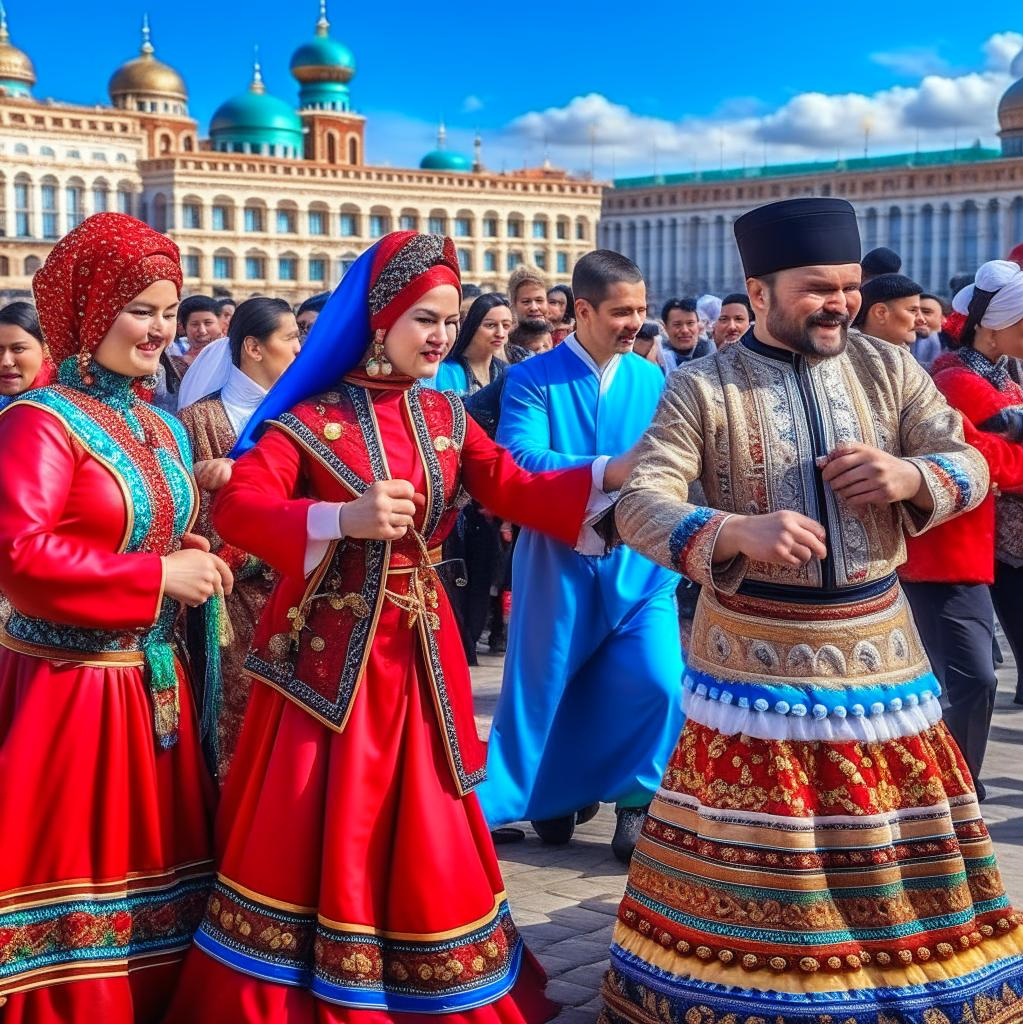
point(796, 333)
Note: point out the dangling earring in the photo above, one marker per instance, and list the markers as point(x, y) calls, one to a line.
point(86, 368)
point(379, 365)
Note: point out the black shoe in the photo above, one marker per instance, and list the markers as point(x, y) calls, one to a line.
point(505, 836)
point(555, 831)
point(981, 790)
point(498, 644)
point(627, 832)
point(587, 813)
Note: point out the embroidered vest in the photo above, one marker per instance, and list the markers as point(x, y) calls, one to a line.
point(320, 662)
point(148, 454)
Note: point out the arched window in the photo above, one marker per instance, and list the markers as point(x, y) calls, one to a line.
point(353, 149)
point(464, 260)
point(100, 196)
point(379, 221)
point(32, 264)
point(23, 206)
point(160, 212)
point(331, 147)
point(223, 265)
point(48, 192)
point(75, 194)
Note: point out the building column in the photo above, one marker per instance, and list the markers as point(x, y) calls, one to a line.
point(911, 243)
point(937, 284)
point(656, 256)
point(955, 231)
point(983, 232)
point(673, 244)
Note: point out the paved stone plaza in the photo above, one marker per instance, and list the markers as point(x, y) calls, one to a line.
point(564, 898)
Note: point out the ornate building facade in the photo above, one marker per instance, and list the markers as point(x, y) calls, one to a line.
point(277, 200)
point(945, 212)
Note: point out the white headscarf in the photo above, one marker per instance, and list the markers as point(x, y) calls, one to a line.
point(213, 371)
point(709, 307)
point(1003, 278)
point(208, 373)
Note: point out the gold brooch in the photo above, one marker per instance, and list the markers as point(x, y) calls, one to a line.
point(356, 602)
point(317, 643)
point(332, 431)
point(442, 443)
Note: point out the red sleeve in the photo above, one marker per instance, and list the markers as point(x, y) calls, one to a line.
point(259, 510)
point(553, 503)
point(978, 401)
point(55, 575)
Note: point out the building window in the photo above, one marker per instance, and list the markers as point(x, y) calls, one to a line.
point(580, 231)
point(191, 215)
point(348, 225)
point(43, 150)
point(49, 201)
point(562, 230)
point(409, 222)
point(22, 209)
point(540, 259)
point(190, 265)
point(73, 154)
point(222, 269)
point(21, 149)
point(286, 222)
point(100, 199)
point(317, 222)
point(254, 268)
point(124, 201)
point(463, 227)
point(287, 268)
point(317, 269)
point(562, 262)
point(514, 229)
point(377, 225)
point(490, 261)
point(221, 221)
point(539, 229)
point(514, 259)
point(437, 226)
point(253, 218)
point(464, 259)
point(490, 227)
point(75, 206)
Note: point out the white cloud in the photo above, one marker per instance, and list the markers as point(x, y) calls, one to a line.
point(940, 109)
point(913, 63)
point(471, 104)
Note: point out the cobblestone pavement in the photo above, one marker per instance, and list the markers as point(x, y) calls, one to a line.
point(564, 898)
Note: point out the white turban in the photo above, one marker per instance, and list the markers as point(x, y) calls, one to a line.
point(1003, 278)
point(709, 307)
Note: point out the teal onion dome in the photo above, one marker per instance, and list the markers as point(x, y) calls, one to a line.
point(444, 159)
point(255, 122)
point(323, 68)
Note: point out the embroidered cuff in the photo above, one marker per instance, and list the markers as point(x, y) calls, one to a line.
point(323, 524)
point(692, 551)
point(950, 488)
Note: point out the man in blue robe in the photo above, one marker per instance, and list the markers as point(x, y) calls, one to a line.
point(590, 707)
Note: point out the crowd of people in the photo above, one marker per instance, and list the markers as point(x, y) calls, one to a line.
point(743, 559)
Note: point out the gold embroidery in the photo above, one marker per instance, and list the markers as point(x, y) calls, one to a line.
point(332, 431)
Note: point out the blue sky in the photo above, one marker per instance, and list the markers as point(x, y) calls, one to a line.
point(677, 87)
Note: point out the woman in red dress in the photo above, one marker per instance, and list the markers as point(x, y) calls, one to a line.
point(104, 798)
point(357, 881)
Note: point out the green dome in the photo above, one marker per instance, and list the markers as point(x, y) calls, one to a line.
point(255, 122)
point(322, 55)
point(445, 160)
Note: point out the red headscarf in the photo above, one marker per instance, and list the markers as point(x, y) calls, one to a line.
point(93, 273)
point(406, 265)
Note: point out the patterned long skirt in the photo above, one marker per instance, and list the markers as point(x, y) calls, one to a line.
point(815, 854)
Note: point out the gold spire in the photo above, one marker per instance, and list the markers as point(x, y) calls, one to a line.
point(257, 76)
point(147, 44)
point(323, 25)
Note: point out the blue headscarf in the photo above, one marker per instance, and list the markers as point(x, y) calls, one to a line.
point(337, 341)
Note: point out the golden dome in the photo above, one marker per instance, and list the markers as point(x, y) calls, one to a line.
point(145, 75)
point(15, 65)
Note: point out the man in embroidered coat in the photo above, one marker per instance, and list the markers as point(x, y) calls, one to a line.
point(591, 700)
point(815, 852)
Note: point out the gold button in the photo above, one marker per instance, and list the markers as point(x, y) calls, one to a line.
point(317, 643)
point(332, 431)
point(442, 444)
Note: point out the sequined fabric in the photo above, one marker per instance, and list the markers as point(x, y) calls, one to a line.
point(407, 265)
point(93, 273)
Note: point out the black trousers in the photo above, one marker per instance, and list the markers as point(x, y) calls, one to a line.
point(956, 623)
point(1007, 594)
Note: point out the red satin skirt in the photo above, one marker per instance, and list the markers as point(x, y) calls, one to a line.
point(106, 858)
point(355, 884)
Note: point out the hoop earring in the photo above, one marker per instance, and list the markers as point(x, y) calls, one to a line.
point(86, 368)
point(379, 365)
